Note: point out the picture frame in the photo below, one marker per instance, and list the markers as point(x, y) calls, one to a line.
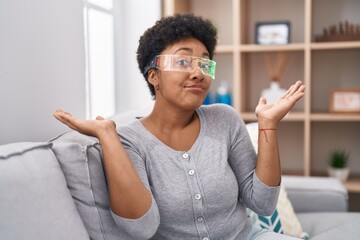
point(272, 33)
point(345, 100)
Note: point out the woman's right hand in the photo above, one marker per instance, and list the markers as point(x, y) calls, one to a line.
point(95, 128)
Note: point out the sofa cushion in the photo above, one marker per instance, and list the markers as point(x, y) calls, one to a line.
point(283, 220)
point(81, 161)
point(316, 194)
point(331, 225)
point(35, 186)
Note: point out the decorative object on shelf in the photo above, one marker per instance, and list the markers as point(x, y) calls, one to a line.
point(223, 94)
point(345, 100)
point(269, 33)
point(339, 165)
point(209, 99)
point(343, 31)
point(275, 66)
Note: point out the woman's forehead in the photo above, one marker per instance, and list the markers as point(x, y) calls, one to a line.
point(190, 46)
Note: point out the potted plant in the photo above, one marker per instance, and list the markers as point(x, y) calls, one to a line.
point(339, 165)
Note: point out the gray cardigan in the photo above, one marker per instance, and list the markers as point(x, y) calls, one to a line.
point(201, 193)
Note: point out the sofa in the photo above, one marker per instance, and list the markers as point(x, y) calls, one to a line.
point(57, 189)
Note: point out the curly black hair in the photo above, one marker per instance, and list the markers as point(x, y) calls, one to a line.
point(169, 30)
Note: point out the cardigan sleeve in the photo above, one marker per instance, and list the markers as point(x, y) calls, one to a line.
point(145, 226)
point(142, 228)
point(255, 194)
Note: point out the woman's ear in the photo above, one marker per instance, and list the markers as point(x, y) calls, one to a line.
point(152, 77)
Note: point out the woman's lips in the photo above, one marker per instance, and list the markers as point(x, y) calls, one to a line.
point(196, 87)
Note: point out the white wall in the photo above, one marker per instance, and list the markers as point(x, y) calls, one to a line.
point(136, 17)
point(42, 64)
point(41, 67)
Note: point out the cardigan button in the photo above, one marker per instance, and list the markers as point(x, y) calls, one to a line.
point(185, 155)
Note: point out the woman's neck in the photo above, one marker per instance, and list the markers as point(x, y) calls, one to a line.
point(171, 118)
point(176, 128)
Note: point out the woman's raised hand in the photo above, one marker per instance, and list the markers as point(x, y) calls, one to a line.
point(94, 128)
point(269, 115)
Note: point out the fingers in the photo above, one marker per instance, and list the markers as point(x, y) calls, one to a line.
point(61, 115)
point(299, 94)
point(262, 101)
point(64, 117)
point(62, 112)
point(298, 91)
point(295, 92)
point(292, 89)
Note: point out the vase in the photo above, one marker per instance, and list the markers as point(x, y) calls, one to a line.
point(273, 93)
point(340, 173)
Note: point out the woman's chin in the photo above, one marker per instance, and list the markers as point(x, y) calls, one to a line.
point(194, 104)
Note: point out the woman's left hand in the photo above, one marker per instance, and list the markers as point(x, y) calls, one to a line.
point(269, 115)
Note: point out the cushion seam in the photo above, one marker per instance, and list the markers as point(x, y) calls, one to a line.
point(46, 145)
point(92, 193)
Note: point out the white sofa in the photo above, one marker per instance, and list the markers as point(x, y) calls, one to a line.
point(57, 189)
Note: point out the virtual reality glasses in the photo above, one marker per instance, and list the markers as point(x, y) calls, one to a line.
point(182, 63)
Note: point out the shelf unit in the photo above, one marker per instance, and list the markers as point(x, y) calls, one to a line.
point(309, 132)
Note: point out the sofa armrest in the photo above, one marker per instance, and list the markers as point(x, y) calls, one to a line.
point(316, 194)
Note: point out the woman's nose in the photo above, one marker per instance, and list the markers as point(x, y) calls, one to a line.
point(197, 73)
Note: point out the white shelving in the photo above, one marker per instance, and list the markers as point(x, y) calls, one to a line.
point(309, 133)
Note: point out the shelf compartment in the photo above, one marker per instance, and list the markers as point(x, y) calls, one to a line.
point(223, 22)
point(275, 10)
point(291, 146)
point(272, 48)
point(332, 69)
point(329, 12)
point(224, 71)
point(256, 77)
point(329, 136)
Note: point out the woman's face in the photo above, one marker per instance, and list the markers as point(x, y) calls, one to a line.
point(186, 90)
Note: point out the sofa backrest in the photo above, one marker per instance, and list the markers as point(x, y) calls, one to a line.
point(81, 162)
point(35, 202)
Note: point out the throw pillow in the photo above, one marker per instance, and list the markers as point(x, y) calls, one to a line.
point(290, 223)
point(272, 222)
point(35, 202)
point(283, 220)
point(81, 161)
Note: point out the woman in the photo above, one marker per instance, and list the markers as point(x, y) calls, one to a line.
point(188, 171)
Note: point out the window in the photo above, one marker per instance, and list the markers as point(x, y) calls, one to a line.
point(99, 44)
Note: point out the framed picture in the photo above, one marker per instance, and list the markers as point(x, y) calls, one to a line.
point(345, 100)
point(269, 33)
